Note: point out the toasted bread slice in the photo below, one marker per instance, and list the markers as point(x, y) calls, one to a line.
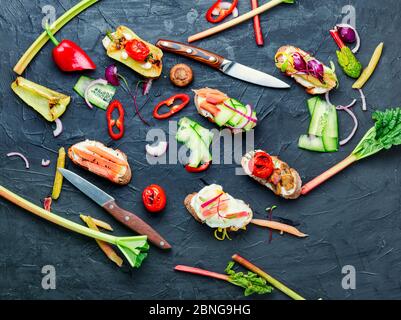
point(101, 160)
point(289, 184)
point(312, 84)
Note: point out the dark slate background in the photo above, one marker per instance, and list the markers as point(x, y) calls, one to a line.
point(352, 220)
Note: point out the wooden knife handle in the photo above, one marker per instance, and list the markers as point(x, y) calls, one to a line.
point(136, 224)
point(209, 58)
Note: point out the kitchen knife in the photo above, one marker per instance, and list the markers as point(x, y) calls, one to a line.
point(231, 68)
point(108, 203)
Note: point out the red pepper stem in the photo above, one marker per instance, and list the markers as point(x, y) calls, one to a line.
point(334, 33)
point(51, 36)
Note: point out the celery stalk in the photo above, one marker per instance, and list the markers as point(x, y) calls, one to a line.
point(43, 38)
point(133, 248)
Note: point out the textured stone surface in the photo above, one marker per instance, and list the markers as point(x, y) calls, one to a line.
point(354, 219)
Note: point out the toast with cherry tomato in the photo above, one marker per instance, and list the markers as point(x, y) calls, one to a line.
point(108, 163)
point(306, 70)
point(273, 173)
point(125, 46)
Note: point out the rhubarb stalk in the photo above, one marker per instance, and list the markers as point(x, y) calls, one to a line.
point(43, 38)
point(202, 272)
point(275, 283)
point(133, 248)
point(328, 174)
point(256, 25)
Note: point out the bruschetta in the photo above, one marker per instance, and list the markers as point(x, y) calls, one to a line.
point(273, 173)
point(306, 70)
point(101, 160)
point(224, 111)
point(217, 209)
point(128, 48)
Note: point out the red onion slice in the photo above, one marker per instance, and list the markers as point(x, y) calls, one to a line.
point(45, 163)
point(351, 113)
point(90, 86)
point(363, 98)
point(147, 86)
point(59, 128)
point(358, 39)
point(17, 154)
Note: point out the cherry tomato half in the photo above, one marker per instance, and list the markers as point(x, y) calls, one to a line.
point(261, 165)
point(154, 198)
point(137, 49)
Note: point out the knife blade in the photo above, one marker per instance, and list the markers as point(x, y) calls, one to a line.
point(231, 68)
point(108, 203)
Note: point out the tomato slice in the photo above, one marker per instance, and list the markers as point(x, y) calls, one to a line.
point(154, 198)
point(137, 49)
point(261, 165)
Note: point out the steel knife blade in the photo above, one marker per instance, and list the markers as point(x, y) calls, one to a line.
point(231, 68)
point(108, 203)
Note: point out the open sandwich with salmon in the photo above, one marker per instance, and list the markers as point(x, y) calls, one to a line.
point(273, 173)
point(225, 111)
point(108, 163)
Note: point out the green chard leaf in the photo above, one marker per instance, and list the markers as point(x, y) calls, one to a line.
point(250, 281)
point(385, 134)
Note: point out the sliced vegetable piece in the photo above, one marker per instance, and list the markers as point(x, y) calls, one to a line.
point(367, 73)
point(98, 223)
point(18, 154)
point(279, 226)
point(58, 178)
point(100, 95)
point(50, 104)
point(106, 248)
point(311, 143)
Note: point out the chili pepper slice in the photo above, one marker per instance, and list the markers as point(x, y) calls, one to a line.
point(222, 13)
point(174, 109)
point(137, 49)
point(119, 122)
point(261, 165)
point(201, 168)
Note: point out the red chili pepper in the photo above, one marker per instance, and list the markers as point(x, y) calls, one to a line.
point(137, 49)
point(261, 165)
point(222, 13)
point(174, 109)
point(154, 198)
point(119, 123)
point(201, 168)
point(69, 56)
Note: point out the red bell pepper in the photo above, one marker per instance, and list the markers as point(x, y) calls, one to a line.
point(69, 56)
point(119, 123)
point(174, 109)
point(222, 13)
point(201, 168)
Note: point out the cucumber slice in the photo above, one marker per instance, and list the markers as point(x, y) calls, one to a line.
point(251, 124)
point(319, 119)
point(330, 144)
point(331, 128)
point(205, 134)
point(312, 102)
point(311, 143)
point(234, 121)
point(224, 115)
point(99, 95)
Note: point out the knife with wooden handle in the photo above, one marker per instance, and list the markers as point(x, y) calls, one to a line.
point(231, 68)
point(108, 203)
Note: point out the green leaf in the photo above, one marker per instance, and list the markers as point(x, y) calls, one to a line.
point(134, 249)
point(250, 281)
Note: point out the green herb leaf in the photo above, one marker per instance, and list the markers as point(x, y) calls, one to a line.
point(250, 281)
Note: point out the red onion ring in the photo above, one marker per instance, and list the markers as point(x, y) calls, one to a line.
point(17, 154)
point(91, 84)
point(59, 127)
point(347, 109)
point(45, 163)
point(358, 39)
point(363, 98)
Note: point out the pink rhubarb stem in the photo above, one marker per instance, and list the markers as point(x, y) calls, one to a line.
point(328, 174)
point(202, 272)
point(256, 25)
